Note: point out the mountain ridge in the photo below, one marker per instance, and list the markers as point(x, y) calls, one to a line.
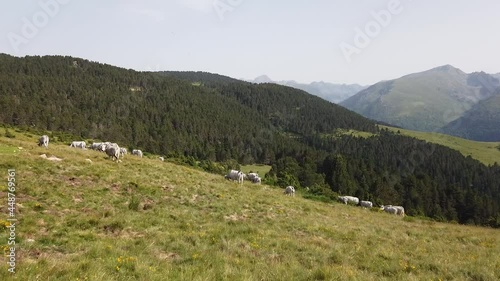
point(424, 101)
point(329, 91)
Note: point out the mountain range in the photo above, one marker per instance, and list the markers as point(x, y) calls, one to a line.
point(329, 91)
point(443, 99)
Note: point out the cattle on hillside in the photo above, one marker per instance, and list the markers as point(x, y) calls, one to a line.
point(137, 152)
point(395, 210)
point(235, 176)
point(78, 144)
point(44, 141)
point(349, 200)
point(290, 190)
point(366, 204)
point(113, 151)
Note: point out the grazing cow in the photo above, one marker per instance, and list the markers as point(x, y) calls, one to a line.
point(123, 151)
point(137, 152)
point(44, 141)
point(235, 176)
point(252, 176)
point(78, 144)
point(366, 204)
point(241, 177)
point(257, 180)
point(400, 210)
point(161, 158)
point(96, 145)
point(113, 151)
point(290, 190)
point(349, 199)
point(395, 210)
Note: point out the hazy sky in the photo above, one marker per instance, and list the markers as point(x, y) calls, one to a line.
point(336, 41)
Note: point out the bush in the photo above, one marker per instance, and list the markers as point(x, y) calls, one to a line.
point(8, 134)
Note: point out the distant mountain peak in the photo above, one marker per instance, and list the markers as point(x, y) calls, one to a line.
point(446, 68)
point(263, 79)
point(331, 92)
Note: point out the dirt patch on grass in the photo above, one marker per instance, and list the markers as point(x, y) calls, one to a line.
point(167, 256)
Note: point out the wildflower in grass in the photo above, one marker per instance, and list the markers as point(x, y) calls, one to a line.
point(407, 266)
point(117, 268)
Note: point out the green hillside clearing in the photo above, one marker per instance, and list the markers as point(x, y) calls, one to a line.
point(485, 152)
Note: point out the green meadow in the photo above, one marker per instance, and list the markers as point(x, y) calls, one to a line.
point(486, 152)
point(89, 218)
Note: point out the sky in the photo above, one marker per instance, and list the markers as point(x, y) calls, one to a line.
point(338, 41)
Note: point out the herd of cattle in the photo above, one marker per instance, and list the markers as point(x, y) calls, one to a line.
point(113, 150)
point(395, 210)
point(239, 176)
point(116, 152)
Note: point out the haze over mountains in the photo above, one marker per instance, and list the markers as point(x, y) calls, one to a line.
point(329, 91)
point(443, 99)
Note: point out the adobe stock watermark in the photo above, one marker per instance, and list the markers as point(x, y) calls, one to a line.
point(221, 7)
point(31, 26)
point(364, 36)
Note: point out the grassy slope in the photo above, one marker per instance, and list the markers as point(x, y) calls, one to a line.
point(88, 221)
point(485, 152)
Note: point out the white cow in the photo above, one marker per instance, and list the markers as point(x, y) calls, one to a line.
point(137, 152)
point(78, 144)
point(366, 204)
point(123, 151)
point(400, 210)
point(235, 176)
point(95, 145)
point(257, 180)
point(395, 210)
point(44, 141)
point(290, 190)
point(349, 199)
point(161, 158)
point(252, 176)
point(113, 151)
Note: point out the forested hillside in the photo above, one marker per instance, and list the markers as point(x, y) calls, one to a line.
point(481, 122)
point(215, 118)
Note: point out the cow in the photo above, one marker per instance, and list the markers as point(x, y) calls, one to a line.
point(290, 191)
point(400, 210)
point(123, 151)
point(44, 141)
point(235, 176)
point(137, 152)
point(78, 144)
point(257, 180)
point(96, 145)
point(252, 176)
point(349, 199)
point(161, 158)
point(113, 151)
point(366, 204)
point(394, 210)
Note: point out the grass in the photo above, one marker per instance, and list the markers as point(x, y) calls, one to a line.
point(144, 219)
point(486, 152)
point(259, 169)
